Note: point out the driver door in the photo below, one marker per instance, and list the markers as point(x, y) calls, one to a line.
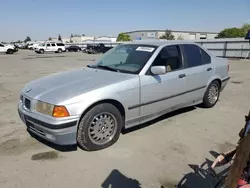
point(163, 93)
point(48, 47)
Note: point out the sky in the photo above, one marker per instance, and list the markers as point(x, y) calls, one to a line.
point(41, 19)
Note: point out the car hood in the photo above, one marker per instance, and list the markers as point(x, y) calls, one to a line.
point(59, 87)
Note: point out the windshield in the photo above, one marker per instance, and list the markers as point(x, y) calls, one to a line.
point(128, 58)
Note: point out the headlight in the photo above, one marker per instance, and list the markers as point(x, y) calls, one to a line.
point(44, 108)
point(51, 110)
point(21, 98)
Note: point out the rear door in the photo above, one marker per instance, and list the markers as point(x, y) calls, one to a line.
point(53, 47)
point(199, 70)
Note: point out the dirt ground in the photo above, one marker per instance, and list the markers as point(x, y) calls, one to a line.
point(157, 154)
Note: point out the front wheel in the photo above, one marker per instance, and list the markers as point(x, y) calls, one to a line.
point(212, 94)
point(59, 50)
point(100, 127)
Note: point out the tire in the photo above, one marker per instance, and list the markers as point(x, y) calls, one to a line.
point(41, 51)
point(211, 95)
point(88, 132)
point(9, 51)
point(59, 50)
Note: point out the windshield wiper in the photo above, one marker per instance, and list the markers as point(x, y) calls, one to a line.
point(103, 67)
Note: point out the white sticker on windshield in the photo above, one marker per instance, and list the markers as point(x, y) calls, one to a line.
point(145, 49)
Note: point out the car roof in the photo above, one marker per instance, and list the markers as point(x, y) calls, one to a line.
point(160, 42)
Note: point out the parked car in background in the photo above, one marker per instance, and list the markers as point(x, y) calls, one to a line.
point(8, 48)
point(97, 48)
point(131, 84)
point(56, 47)
point(73, 48)
point(33, 46)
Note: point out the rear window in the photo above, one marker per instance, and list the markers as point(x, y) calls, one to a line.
point(59, 44)
point(206, 59)
point(193, 55)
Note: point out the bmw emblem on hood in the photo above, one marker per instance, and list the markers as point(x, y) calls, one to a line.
point(28, 90)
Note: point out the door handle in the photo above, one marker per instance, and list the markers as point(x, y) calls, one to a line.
point(209, 69)
point(182, 75)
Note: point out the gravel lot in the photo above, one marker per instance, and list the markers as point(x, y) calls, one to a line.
point(154, 155)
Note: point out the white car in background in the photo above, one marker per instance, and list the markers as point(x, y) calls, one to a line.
point(33, 46)
point(56, 47)
point(7, 48)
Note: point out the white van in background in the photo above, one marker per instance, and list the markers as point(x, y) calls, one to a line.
point(57, 47)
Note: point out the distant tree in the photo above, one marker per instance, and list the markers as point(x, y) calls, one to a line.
point(83, 35)
point(245, 28)
point(27, 39)
point(168, 35)
point(59, 37)
point(71, 35)
point(50, 38)
point(123, 37)
point(18, 41)
point(180, 37)
point(232, 33)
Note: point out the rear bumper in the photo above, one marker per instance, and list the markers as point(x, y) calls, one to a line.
point(60, 134)
point(224, 83)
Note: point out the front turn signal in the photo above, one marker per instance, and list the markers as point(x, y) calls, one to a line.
point(60, 111)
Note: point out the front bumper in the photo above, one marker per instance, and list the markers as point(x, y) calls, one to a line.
point(63, 133)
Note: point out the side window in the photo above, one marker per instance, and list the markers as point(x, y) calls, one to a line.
point(53, 44)
point(193, 55)
point(48, 45)
point(1, 45)
point(170, 56)
point(206, 59)
point(59, 44)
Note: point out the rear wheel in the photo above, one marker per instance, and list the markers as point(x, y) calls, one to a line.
point(10, 51)
point(59, 50)
point(212, 94)
point(100, 127)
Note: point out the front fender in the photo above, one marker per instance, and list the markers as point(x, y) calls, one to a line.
point(129, 95)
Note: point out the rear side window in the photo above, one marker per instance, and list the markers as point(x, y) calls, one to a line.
point(59, 44)
point(1, 45)
point(53, 44)
point(192, 55)
point(206, 59)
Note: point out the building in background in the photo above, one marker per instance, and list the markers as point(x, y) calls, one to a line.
point(65, 39)
point(80, 39)
point(156, 34)
point(106, 39)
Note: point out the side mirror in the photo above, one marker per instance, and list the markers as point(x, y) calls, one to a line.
point(158, 70)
